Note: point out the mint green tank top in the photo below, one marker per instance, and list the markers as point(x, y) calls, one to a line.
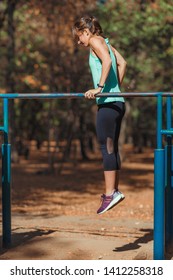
point(111, 84)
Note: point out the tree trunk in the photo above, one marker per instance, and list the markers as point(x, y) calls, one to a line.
point(82, 138)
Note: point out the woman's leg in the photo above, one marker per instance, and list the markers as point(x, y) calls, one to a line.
point(111, 181)
point(108, 130)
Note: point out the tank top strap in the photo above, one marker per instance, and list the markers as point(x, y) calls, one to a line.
point(108, 44)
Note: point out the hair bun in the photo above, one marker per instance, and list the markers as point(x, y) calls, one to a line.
point(89, 22)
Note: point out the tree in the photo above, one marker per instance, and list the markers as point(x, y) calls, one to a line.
point(142, 31)
point(46, 60)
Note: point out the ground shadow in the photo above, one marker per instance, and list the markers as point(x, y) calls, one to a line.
point(148, 236)
point(23, 237)
point(26, 245)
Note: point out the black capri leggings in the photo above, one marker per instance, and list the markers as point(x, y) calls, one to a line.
point(108, 124)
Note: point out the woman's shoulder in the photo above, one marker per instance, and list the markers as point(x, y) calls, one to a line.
point(98, 40)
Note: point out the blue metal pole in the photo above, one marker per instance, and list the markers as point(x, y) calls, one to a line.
point(169, 189)
point(159, 226)
point(159, 171)
point(79, 95)
point(159, 186)
point(6, 179)
point(169, 112)
point(5, 118)
point(159, 122)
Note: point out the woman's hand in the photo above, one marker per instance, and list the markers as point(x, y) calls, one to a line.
point(91, 94)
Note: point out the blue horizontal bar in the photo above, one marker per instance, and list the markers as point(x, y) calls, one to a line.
point(1, 128)
point(79, 95)
point(135, 94)
point(167, 131)
point(40, 95)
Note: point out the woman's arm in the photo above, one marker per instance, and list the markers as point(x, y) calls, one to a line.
point(100, 48)
point(121, 64)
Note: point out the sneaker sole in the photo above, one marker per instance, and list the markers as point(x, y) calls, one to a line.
point(112, 204)
point(122, 198)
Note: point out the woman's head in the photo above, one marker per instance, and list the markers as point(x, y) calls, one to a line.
point(86, 24)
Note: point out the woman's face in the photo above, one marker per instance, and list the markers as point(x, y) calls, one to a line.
point(83, 37)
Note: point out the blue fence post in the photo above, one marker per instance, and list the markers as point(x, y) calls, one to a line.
point(159, 189)
point(6, 178)
point(168, 172)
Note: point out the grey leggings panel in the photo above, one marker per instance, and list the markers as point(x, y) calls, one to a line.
point(108, 125)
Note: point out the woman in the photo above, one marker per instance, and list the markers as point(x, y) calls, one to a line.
point(108, 69)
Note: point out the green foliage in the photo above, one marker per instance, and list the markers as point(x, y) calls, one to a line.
point(46, 60)
point(143, 34)
point(144, 37)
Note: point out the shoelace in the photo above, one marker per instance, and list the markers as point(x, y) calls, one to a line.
point(105, 198)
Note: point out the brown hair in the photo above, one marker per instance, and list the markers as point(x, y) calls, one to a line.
point(89, 22)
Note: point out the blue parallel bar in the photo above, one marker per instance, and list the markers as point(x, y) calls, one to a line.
point(167, 131)
point(79, 95)
point(159, 189)
point(168, 172)
point(159, 122)
point(6, 195)
point(1, 128)
point(159, 170)
point(6, 180)
point(41, 95)
point(169, 112)
point(159, 205)
point(5, 117)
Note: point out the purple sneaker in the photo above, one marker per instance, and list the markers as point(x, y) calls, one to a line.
point(109, 201)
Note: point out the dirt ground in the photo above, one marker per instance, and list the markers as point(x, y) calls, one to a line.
point(54, 216)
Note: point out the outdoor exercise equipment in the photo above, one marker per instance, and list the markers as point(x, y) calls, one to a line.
point(163, 167)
